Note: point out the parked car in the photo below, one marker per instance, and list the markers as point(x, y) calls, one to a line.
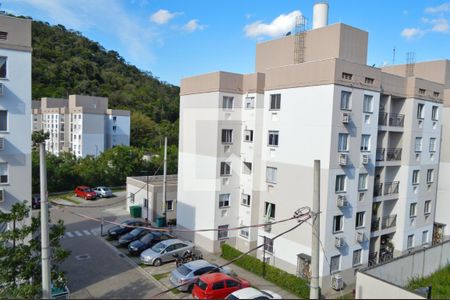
point(252, 293)
point(164, 251)
point(187, 273)
point(116, 231)
point(133, 235)
point(147, 241)
point(217, 286)
point(85, 192)
point(103, 192)
point(36, 201)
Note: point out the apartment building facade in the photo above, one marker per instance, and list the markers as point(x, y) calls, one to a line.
point(82, 125)
point(248, 143)
point(15, 112)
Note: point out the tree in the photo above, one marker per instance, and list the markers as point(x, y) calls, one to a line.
point(20, 254)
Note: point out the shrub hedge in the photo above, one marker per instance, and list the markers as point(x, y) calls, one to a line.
point(289, 282)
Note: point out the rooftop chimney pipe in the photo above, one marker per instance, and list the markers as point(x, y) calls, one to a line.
point(320, 14)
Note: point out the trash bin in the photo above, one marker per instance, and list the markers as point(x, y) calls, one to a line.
point(160, 221)
point(135, 211)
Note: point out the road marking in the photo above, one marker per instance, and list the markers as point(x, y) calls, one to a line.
point(78, 233)
point(69, 234)
point(86, 232)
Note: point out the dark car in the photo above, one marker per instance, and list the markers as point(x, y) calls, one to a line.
point(36, 201)
point(147, 241)
point(133, 235)
point(118, 230)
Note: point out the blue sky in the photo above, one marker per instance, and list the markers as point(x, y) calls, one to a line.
point(179, 38)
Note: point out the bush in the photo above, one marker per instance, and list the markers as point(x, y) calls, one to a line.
point(289, 282)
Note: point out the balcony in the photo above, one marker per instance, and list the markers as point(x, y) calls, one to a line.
point(375, 224)
point(387, 188)
point(396, 120)
point(394, 154)
point(378, 190)
point(380, 154)
point(373, 257)
point(388, 221)
point(383, 119)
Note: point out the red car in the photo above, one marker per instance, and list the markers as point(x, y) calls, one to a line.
point(85, 192)
point(217, 286)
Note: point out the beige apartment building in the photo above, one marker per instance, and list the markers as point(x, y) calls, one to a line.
point(248, 143)
point(82, 125)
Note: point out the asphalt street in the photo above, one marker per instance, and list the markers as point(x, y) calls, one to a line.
point(95, 269)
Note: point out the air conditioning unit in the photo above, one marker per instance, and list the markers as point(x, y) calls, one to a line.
point(365, 159)
point(337, 282)
point(345, 118)
point(338, 242)
point(360, 237)
point(341, 201)
point(2, 143)
point(343, 159)
point(2, 196)
point(268, 228)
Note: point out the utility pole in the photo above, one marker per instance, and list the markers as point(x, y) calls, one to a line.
point(164, 177)
point(148, 200)
point(45, 247)
point(314, 292)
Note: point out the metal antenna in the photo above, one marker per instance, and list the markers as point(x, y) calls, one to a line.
point(410, 64)
point(299, 46)
point(393, 56)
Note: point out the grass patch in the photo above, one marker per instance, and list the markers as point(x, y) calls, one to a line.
point(439, 281)
point(287, 281)
point(67, 197)
point(118, 190)
point(161, 276)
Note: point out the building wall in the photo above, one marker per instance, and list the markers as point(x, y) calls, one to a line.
point(443, 194)
point(93, 134)
point(369, 287)
point(117, 130)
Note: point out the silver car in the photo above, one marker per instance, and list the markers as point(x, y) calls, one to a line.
point(188, 272)
point(164, 251)
point(103, 192)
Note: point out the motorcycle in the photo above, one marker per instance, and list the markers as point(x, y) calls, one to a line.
point(187, 257)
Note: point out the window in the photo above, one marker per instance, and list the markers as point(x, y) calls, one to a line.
point(269, 210)
point(225, 169)
point(271, 174)
point(343, 142)
point(434, 113)
point(432, 144)
point(247, 168)
point(369, 80)
point(430, 176)
point(3, 35)
point(338, 223)
point(347, 76)
point(224, 200)
point(273, 138)
point(359, 219)
point(227, 102)
point(422, 91)
point(340, 183)
point(3, 120)
point(245, 200)
point(275, 102)
point(227, 136)
point(114, 118)
point(335, 264)
point(218, 285)
point(114, 128)
point(222, 233)
point(418, 144)
point(145, 202)
point(362, 182)
point(410, 242)
point(412, 210)
point(357, 257)
point(231, 283)
point(425, 237)
point(365, 142)
point(169, 204)
point(248, 135)
point(420, 111)
point(415, 177)
point(427, 207)
point(368, 104)
point(249, 102)
point(268, 245)
point(3, 70)
point(244, 233)
point(345, 100)
point(436, 94)
point(3, 172)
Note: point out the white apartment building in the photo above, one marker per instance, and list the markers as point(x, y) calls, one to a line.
point(15, 112)
point(82, 125)
point(248, 144)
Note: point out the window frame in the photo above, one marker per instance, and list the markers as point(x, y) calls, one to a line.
point(224, 166)
point(418, 146)
point(224, 203)
point(6, 67)
point(369, 99)
point(222, 232)
point(335, 223)
point(337, 266)
point(427, 207)
point(273, 138)
point(365, 187)
point(432, 144)
point(365, 142)
point(227, 136)
point(420, 111)
point(272, 210)
point(343, 184)
point(226, 100)
point(413, 210)
point(246, 199)
point(275, 102)
point(248, 133)
point(416, 177)
point(171, 205)
point(268, 245)
point(359, 262)
point(426, 234)
point(430, 176)
point(343, 137)
point(410, 241)
point(358, 219)
point(348, 101)
point(435, 113)
point(6, 121)
point(273, 172)
point(251, 101)
point(6, 171)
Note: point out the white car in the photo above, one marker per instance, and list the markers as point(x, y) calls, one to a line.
point(252, 293)
point(103, 192)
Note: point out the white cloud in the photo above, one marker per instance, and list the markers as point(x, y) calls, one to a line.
point(279, 26)
point(193, 25)
point(440, 25)
point(412, 33)
point(163, 16)
point(444, 7)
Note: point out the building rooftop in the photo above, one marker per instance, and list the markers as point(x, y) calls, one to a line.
point(156, 180)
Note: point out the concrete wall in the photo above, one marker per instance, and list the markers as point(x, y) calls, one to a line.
point(443, 194)
point(369, 287)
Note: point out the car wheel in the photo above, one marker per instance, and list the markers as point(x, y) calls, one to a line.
point(157, 262)
point(190, 288)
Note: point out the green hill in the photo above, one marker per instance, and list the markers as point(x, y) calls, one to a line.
point(65, 62)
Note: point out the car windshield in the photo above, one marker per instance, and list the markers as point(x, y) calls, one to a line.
point(231, 297)
point(126, 223)
point(267, 294)
point(136, 232)
point(88, 190)
point(106, 189)
point(202, 285)
point(183, 270)
point(158, 248)
point(147, 238)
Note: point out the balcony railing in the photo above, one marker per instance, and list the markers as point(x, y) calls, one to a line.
point(383, 119)
point(391, 187)
point(375, 224)
point(388, 221)
point(397, 120)
point(393, 154)
point(380, 154)
point(373, 258)
point(378, 190)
